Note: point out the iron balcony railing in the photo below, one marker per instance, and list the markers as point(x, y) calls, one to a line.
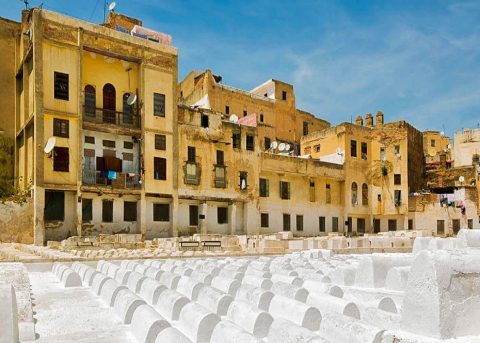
point(105, 116)
point(121, 180)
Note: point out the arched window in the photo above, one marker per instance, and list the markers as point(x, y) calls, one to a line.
point(364, 194)
point(127, 110)
point(109, 104)
point(90, 101)
point(354, 193)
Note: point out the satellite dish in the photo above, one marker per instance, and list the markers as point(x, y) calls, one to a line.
point(50, 145)
point(274, 145)
point(233, 118)
point(132, 98)
point(111, 7)
point(281, 147)
point(287, 147)
point(461, 179)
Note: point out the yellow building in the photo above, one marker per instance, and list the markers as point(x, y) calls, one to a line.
point(97, 99)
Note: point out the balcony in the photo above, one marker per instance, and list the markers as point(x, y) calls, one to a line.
point(110, 117)
point(121, 181)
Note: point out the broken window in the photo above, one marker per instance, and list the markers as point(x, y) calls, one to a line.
point(321, 224)
point(264, 187)
point(159, 105)
point(353, 148)
point(250, 142)
point(61, 159)
point(161, 212)
point(286, 222)
point(264, 220)
point(159, 168)
point(222, 215)
point(129, 211)
point(299, 222)
point(160, 142)
point(54, 205)
point(284, 190)
point(60, 89)
point(87, 210)
point(107, 211)
point(60, 127)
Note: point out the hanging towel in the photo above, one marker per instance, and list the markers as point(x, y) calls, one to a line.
point(112, 175)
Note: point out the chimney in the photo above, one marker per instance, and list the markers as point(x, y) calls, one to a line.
point(369, 120)
point(379, 119)
point(359, 121)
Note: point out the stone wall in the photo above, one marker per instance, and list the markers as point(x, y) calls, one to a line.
point(16, 222)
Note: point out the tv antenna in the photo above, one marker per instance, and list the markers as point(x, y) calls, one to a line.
point(27, 4)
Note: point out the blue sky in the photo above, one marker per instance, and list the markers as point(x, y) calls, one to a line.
point(413, 60)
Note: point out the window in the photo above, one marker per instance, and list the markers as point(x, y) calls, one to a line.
point(236, 140)
point(354, 194)
point(440, 227)
point(128, 145)
point(90, 101)
point(127, 110)
point(397, 150)
point(299, 222)
point(364, 150)
point(264, 220)
point(54, 205)
point(109, 96)
point(364, 194)
point(245, 113)
point(382, 154)
point(360, 225)
point(284, 95)
point(191, 154)
point(222, 215)
point(456, 225)
point(220, 177)
point(204, 121)
point(264, 188)
point(243, 180)
point(286, 222)
point(220, 158)
point(159, 105)
point(161, 212)
point(266, 143)
point(107, 211)
point(130, 211)
point(470, 224)
point(61, 159)
point(227, 109)
point(60, 127)
point(334, 224)
point(317, 148)
point(312, 191)
point(397, 197)
point(353, 148)
point(87, 210)
point(192, 173)
point(261, 118)
point(328, 194)
point(376, 225)
point(305, 128)
point(410, 224)
point(108, 143)
point(433, 143)
point(349, 224)
point(250, 142)
point(397, 179)
point(160, 142)
point(159, 168)
point(321, 224)
point(392, 225)
point(284, 190)
point(193, 214)
point(89, 140)
point(60, 89)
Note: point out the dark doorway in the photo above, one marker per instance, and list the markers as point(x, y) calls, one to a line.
point(109, 104)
